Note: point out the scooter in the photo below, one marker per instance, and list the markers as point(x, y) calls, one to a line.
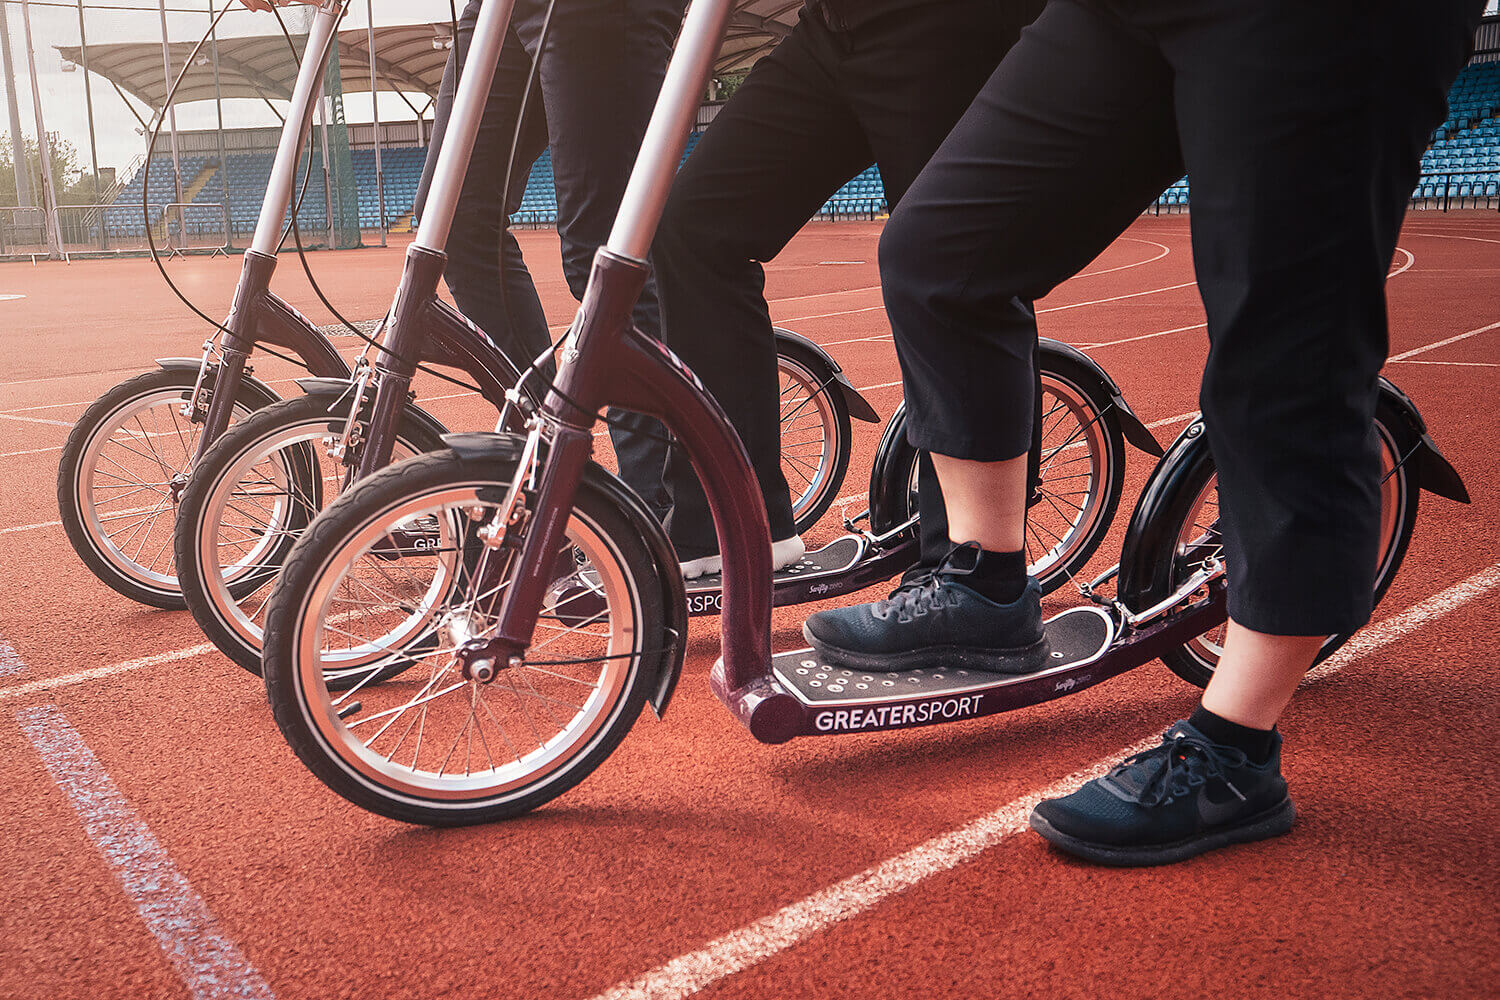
point(257, 488)
point(515, 703)
point(130, 458)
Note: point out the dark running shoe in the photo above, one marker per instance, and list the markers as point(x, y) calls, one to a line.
point(1172, 802)
point(934, 620)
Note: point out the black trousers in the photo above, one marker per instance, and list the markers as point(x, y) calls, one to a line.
point(814, 113)
point(1301, 126)
point(597, 83)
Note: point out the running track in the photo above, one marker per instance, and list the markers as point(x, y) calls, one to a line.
point(158, 839)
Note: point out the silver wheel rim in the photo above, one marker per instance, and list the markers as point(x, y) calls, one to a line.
point(246, 521)
point(808, 427)
point(497, 740)
point(1199, 537)
point(123, 488)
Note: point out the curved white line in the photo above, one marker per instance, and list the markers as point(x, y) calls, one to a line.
point(1125, 267)
point(1411, 259)
point(10, 298)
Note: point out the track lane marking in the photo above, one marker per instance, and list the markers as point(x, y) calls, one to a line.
point(210, 965)
point(35, 420)
point(1443, 343)
point(1458, 364)
point(30, 527)
point(109, 670)
point(793, 924)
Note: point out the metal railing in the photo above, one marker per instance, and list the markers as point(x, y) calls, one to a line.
point(119, 228)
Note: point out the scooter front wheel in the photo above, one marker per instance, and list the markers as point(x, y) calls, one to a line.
point(122, 472)
point(251, 497)
point(431, 746)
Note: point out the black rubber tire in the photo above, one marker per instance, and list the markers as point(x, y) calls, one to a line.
point(843, 443)
point(412, 434)
point(1061, 375)
point(359, 507)
point(252, 396)
point(1176, 507)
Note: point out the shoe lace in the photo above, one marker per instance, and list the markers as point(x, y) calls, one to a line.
point(1181, 763)
point(925, 590)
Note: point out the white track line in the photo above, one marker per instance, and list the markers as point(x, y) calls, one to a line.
point(1443, 343)
point(1457, 364)
point(1115, 298)
point(29, 527)
point(211, 966)
point(35, 420)
point(791, 925)
point(1146, 336)
point(97, 673)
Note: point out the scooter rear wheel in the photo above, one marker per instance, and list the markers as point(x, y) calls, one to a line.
point(815, 440)
point(1190, 520)
point(433, 747)
point(1081, 467)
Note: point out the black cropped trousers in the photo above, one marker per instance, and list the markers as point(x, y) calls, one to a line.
point(1300, 126)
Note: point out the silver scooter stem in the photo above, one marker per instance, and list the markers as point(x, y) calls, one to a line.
point(463, 124)
point(299, 118)
point(666, 136)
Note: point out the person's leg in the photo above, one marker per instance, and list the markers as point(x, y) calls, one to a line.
point(1067, 142)
point(599, 77)
point(1302, 131)
point(911, 78)
point(774, 154)
point(485, 272)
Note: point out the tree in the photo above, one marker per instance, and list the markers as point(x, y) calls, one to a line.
point(73, 183)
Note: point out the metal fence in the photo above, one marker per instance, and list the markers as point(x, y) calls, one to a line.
point(119, 228)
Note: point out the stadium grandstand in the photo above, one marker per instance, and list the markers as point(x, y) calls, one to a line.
point(210, 197)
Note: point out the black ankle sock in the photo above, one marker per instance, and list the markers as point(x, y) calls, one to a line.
point(999, 576)
point(1255, 743)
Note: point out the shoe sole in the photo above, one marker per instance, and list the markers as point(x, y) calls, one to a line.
point(1021, 660)
point(1272, 823)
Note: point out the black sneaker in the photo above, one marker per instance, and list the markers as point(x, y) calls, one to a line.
point(1176, 800)
point(934, 620)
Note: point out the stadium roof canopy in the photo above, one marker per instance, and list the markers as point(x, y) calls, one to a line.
point(409, 58)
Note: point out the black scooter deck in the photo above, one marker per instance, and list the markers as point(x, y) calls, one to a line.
point(846, 564)
point(837, 700)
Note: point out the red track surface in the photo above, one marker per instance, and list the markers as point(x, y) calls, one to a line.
point(1386, 887)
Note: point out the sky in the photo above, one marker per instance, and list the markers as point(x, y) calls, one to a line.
point(55, 22)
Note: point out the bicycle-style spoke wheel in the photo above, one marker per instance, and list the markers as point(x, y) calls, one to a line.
point(1081, 466)
point(121, 476)
point(1079, 474)
point(433, 746)
point(253, 495)
point(1199, 540)
point(815, 440)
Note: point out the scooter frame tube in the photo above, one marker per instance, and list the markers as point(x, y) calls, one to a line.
point(309, 85)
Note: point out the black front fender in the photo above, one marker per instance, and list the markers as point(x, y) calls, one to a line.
point(1131, 427)
point(820, 361)
point(337, 387)
point(663, 666)
point(252, 389)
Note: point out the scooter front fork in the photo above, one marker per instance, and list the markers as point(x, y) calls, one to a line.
point(539, 514)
